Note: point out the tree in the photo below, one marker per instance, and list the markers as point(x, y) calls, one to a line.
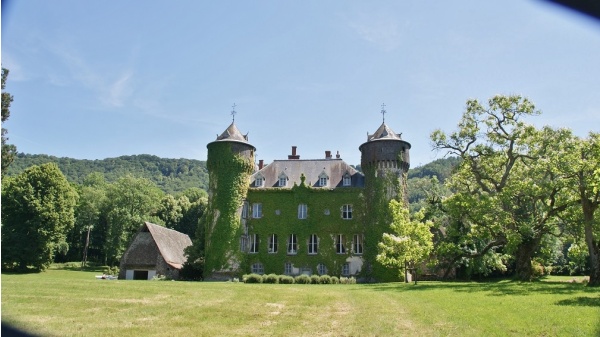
point(8, 150)
point(509, 185)
point(410, 243)
point(131, 201)
point(38, 210)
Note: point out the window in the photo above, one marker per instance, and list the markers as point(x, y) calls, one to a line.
point(321, 269)
point(259, 181)
point(287, 269)
point(292, 247)
point(323, 181)
point(313, 244)
point(273, 243)
point(347, 212)
point(283, 180)
point(357, 244)
point(346, 269)
point(257, 268)
point(347, 180)
point(339, 244)
point(244, 243)
point(302, 211)
point(245, 210)
point(254, 243)
point(257, 210)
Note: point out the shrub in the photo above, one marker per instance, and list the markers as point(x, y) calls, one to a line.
point(286, 279)
point(111, 271)
point(537, 269)
point(302, 279)
point(351, 280)
point(252, 278)
point(271, 278)
point(314, 279)
point(343, 280)
point(335, 280)
point(325, 279)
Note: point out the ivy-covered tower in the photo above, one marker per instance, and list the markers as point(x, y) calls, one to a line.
point(385, 162)
point(230, 163)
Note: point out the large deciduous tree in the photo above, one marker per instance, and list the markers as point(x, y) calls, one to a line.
point(510, 184)
point(8, 150)
point(38, 210)
point(409, 244)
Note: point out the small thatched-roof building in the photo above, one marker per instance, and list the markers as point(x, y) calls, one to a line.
point(155, 250)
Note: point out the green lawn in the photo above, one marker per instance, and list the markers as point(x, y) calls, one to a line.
point(74, 303)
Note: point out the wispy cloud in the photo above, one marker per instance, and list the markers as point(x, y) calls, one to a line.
point(382, 31)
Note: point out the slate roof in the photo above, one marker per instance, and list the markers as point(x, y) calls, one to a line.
point(170, 243)
point(384, 132)
point(334, 169)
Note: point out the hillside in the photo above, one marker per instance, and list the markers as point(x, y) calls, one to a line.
point(171, 175)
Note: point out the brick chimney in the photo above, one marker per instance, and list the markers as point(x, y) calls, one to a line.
point(328, 155)
point(293, 155)
point(261, 163)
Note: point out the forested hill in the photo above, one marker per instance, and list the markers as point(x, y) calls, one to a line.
point(170, 175)
point(441, 168)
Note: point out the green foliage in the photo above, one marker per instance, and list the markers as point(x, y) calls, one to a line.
point(325, 279)
point(302, 279)
point(286, 279)
point(173, 176)
point(271, 278)
point(410, 242)
point(442, 169)
point(252, 278)
point(111, 271)
point(578, 258)
point(8, 150)
point(315, 279)
point(38, 210)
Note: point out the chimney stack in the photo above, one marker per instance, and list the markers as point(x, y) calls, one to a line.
point(293, 155)
point(328, 155)
point(260, 164)
point(338, 155)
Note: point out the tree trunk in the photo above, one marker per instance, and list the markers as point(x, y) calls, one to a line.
point(592, 244)
point(524, 255)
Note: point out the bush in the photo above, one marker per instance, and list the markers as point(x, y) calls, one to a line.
point(314, 279)
point(252, 278)
point(343, 280)
point(335, 280)
point(286, 279)
point(302, 279)
point(114, 271)
point(325, 279)
point(271, 278)
point(537, 269)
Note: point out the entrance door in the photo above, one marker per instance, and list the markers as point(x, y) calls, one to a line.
point(140, 274)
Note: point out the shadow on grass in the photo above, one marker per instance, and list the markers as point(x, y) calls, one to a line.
point(581, 301)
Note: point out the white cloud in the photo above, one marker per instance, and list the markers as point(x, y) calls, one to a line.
point(382, 31)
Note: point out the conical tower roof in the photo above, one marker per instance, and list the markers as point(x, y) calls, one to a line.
point(384, 132)
point(232, 134)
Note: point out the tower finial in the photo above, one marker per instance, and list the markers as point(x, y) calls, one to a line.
point(233, 112)
point(383, 112)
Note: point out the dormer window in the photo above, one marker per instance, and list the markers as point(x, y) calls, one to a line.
point(283, 180)
point(259, 181)
point(347, 179)
point(323, 179)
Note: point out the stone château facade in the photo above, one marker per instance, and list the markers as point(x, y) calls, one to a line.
point(301, 216)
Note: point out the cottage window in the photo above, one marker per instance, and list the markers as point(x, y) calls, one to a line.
point(347, 180)
point(302, 211)
point(323, 181)
point(321, 269)
point(357, 244)
point(283, 178)
point(287, 269)
point(245, 210)
point(259, 182)
point(244, 243)
point(339, 244)
point(346, 269)
point(273, 243)
point(347, 212)
point(254, 243)
point(292, 244)
point(257, 210)
point(258, 268)
point(313, 244)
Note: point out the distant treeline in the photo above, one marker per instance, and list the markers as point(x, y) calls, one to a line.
point(173, 176)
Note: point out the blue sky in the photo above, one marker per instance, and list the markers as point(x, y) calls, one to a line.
point(97, 79)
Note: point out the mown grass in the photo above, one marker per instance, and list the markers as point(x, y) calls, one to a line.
point(74, 303)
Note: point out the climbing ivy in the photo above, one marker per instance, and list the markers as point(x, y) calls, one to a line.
point(230, 165)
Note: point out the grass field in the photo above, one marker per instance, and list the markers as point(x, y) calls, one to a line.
point(74, 303)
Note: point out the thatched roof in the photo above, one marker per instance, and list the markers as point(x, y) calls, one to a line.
point(170, 243)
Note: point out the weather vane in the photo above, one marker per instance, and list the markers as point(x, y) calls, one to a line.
point(233, 111)
point(383, 112)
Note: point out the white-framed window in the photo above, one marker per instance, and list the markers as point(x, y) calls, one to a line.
point(273, 243)
point(258, 268)
point(254, 243)
point(323, 181)
point(339, 244)
point(321, 269)
point(346, 269)
point(257, 210)
point(245, 210)
point(287, 268)
point(347, 180)
point(292, 244)
point(243, 243)
point(346, 212)
point(259, 181)
point(302, 211)
point(283, 178)
point(357, 244)
point(313, 244)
